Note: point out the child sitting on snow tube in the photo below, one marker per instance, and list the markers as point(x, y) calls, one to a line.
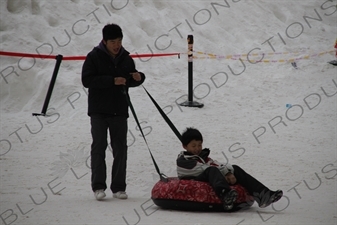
point(192, 195)
point(195, 164)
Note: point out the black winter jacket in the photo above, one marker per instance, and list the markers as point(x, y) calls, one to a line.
point(98, 73)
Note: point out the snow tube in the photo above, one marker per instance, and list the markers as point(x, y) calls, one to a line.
point(191, 195)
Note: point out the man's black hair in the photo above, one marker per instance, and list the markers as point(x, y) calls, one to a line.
point(112, 31)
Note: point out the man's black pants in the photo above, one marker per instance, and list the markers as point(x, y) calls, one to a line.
point(117, 126)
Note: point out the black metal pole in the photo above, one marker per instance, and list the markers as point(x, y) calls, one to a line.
point(51, 86)
point(190, 67)
point(190, 102)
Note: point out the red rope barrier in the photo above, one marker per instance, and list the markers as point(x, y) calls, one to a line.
point(17, 54)
point(42, 56)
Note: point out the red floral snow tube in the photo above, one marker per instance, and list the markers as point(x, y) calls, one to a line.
point(194, 195)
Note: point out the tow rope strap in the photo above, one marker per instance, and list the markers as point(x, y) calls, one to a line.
point(162, 176)
point(168, 121)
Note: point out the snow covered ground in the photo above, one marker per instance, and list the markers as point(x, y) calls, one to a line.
point(45, 177)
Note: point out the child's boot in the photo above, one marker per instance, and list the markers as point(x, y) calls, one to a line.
point(228, 198)
point(269, 197)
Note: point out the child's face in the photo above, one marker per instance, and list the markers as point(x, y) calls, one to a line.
point(193, 147)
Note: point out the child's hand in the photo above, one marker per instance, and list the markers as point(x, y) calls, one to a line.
point(230, 178)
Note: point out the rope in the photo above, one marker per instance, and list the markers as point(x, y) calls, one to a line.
point(162, 176)
point(162, 113)
point(205, 55)
point(244, 57)
point(43, 56)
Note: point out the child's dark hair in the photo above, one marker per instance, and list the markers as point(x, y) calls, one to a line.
point(189, 135)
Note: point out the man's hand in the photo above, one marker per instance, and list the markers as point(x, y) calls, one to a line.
point(136, 76)
point(120, 81)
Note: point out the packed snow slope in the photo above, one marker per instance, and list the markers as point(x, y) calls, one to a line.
point(243, 74)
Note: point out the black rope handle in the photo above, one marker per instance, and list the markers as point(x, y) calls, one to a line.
point(168, 121)
point(162, 176)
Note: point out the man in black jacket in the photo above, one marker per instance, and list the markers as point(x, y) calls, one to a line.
point(108, 72)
